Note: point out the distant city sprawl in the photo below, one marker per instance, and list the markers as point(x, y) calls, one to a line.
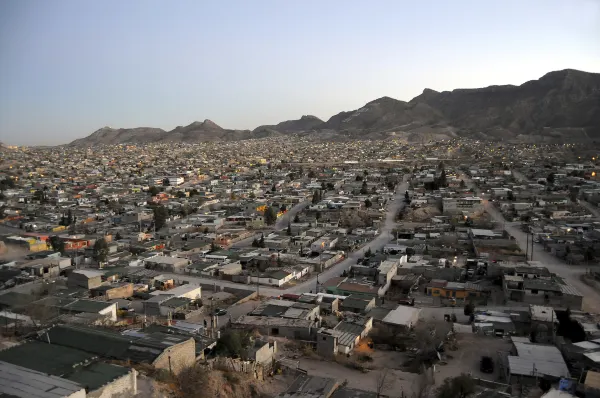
point(294, 267)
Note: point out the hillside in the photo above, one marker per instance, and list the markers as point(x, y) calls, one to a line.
point(560, 105)
point(305, 123)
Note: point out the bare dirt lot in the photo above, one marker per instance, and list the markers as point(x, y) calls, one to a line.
point(466, 359)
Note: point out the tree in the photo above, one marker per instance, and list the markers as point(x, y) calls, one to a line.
point(330, 186)
point(118, 236)
point(442, 181)
point(57, 244)
point(283, 208)
point(364, 189)
point(296, 218)
point(155, 191)
point(406, 196)
point(270, 215)
point(311, 174)
point(368, 253)
point(315, 198)
point(551, 178)
point(462, 184)
point(100, 250)
point(255, 243)
point(193, 192)
point(261, 242)
point(359, 177)
point(180, 194)
point(368, 203)
point(457, 387)
point(510, 196)
point(469, 308)
point(166, 182)
point(40, 196)
point(232, 343)
point(160, 216)
point(289, 229)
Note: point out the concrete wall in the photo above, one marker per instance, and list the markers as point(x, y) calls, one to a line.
point(122, 387)
point(326, 345)
point(266, 352)
point(181, 356)
point(79, 280)
point(110, 312)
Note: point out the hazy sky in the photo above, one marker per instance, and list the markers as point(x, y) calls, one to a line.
point(68, 68)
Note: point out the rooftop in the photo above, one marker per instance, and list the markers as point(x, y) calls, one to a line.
point(17, 381)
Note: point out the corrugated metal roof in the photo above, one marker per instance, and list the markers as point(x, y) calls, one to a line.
point(537, 359)
point(18, 381)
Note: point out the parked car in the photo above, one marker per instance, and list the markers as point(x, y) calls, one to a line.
point(219, 312)
point(487, 365)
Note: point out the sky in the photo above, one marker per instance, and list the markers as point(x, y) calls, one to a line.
point(70, 67)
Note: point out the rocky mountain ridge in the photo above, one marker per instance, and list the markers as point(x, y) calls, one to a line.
point(560, 105)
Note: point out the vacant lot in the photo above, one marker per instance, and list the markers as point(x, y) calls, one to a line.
point(467, 357)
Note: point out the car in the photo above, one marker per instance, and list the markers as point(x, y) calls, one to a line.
point(487, 364)
point(219, 312)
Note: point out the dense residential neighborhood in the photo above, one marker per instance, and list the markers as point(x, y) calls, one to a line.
point(320, 269)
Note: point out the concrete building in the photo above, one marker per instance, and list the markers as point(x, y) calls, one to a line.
point(166, 263)
point(113, 291)
point(529, 362)
point(62, 371)
point(87, 279)
point(17, 381)
point(403, 317)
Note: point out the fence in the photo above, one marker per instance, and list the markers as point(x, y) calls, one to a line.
point(255, 369)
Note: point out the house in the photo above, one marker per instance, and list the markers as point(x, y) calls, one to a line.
point(344, 336)
point(357, 305)
point(457, 290)
point(113, 291)
point(324, 243)
point(37, 366)
point(530, 362)
point(297, 329)
point(403, 317)
point(263, 351)
point(101, 308)
point(190, 291)
point(166, 263)
point(161, 350)
point(87, 279)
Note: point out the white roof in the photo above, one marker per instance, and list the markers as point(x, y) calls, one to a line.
point(177, 291)
point(27, 383)
point(402, 315)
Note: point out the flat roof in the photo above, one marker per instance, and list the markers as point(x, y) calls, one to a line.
point(403, 315)
point(542, 313)
point(18, 381)
point(537, 360)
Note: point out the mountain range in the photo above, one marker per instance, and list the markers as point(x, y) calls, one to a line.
point(560, 105)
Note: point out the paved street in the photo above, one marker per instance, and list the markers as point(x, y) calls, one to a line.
point(336, 270)
point(570, 273)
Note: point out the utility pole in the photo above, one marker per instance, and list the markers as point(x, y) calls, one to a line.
point(532, 246)
point(527, 247)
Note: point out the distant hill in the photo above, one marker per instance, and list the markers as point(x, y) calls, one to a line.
point(560, 105)
point(305, 123)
